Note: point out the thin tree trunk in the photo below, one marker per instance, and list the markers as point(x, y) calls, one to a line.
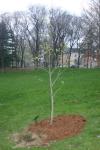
point(87, 64)
point(12, 59)
point(16, 57)
point(98, 58)
point(69, 57)
point(99, 39)
point(22, 59)
point(51, 92)
point(2, 61)
point(2, 58)
point(57, 60)
point(62, 59)
point(78, 63)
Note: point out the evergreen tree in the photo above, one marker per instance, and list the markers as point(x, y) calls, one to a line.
point(6, 46)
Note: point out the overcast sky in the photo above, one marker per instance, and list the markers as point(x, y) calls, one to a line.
point(73, 6)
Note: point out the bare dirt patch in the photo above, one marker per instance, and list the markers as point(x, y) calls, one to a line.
point(42, 133)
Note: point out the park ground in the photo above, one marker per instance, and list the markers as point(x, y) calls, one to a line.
point(24, 94)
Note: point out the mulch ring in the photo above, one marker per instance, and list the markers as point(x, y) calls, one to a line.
point(42, 133)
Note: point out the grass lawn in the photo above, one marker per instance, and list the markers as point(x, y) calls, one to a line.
point(23, 95)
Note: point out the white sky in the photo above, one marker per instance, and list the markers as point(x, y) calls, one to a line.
point(73, 6)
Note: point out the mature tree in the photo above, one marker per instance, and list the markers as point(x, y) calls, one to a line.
point(74, 36)
point(59, 26)
point(79, 38)
point(19, 37)
point(7, 18)
point(34, 25)
point(6, 45)
point(92, 19)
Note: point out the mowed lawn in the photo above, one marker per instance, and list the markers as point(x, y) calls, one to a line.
point(23, 95)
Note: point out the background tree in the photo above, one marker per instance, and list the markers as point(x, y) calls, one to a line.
point(6, 45)
point(19, 38)
point(7, 18)
point(59, 25)
point(92, 19)
point(34, 25)
point(74, 36)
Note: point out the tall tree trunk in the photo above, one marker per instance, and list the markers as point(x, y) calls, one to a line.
point(62, 59)
point(16, 57)
point(57, 60)
point(98, 58)
point(2, 60)
point(53, 60)
point(78, 62)
point(12, 59)
point(69, 57)
point(37, 47)
point(98, 52)
point(87, 63)
point(22, 59)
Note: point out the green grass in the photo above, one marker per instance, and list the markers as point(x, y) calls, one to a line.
point(23, 95)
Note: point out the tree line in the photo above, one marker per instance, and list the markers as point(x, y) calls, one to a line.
point(38, 29)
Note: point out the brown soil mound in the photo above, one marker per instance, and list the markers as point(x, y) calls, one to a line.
point(62, 127)
point(42, 133)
